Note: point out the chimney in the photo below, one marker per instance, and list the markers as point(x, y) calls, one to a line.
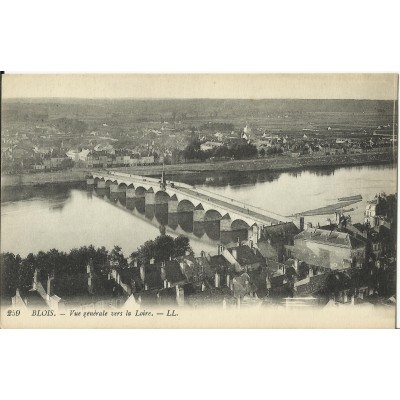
point(238, 241)
point(310, 272)
point(234, 253)
point(345, 297)
point(50, 285)
point(90, 281)
point(216, 280)
point(203, 287)
point(180, 295)
point(220, 249)
point(142, 273)
point(151, 261)
point(146, 287)
point(163, 272)
point(35, 279)
point(187, 253)
point(228, 280)
point(133, 286)
point(135, 264)
point(165, 283)
point(181, 264)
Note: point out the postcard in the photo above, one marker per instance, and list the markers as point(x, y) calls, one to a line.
point(198, 200)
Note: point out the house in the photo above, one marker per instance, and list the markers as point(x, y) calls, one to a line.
point(244, 258)
point(268, 251)
point(273, 239)
point(382, 210)
point(85, 290)
point(242, 286)
point(195, 269)
point(327, 250)
point(171, 273)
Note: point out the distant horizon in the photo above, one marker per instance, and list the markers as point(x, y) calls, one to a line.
point(201, 86)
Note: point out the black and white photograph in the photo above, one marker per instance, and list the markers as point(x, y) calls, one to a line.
point(199, 200)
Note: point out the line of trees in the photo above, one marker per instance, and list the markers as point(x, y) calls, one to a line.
point(18, 272)
point(162, 248)
point(237, 151)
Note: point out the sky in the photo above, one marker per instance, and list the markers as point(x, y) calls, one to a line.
point(222, 86)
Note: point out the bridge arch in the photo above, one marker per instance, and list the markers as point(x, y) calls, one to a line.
point(212, 215)
point(239, 224)
point(185, 206)
point(122, 187)
point(109, 182)
point(161, 197)
point(140, 191)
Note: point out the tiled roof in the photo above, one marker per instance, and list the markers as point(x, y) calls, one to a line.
point(280, 229)
point(267, 250)
point(129, 274)
point(218, 261)
point(333, 238)
point(173, 271)
point(316, 284)
point(245, 255)
point(152, 276)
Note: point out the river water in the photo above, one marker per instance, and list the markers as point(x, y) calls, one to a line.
point(65, 216)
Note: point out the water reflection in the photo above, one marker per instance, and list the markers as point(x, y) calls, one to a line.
point(149, 211)
point(239, 178)
point(64, 216)
point(161, 214)
point(130, 204)
point(185, 221)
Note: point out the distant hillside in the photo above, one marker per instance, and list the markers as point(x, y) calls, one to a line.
point(192, 105)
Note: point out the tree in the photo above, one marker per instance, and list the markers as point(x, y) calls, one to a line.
point(117, 257)
point(262, 152)
point(9, 265)
point(163, 248)
point(26, 271)
point(303, 270)
point(144, 253)
point(181, 246)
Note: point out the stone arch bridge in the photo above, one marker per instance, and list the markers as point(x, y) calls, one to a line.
point(180, 197)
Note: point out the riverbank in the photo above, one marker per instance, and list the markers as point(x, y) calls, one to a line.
point(44, 178)
point(272, 164)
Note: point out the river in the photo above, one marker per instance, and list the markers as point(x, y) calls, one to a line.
point(67, 216)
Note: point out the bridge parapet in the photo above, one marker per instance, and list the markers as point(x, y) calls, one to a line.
point(208, 200)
